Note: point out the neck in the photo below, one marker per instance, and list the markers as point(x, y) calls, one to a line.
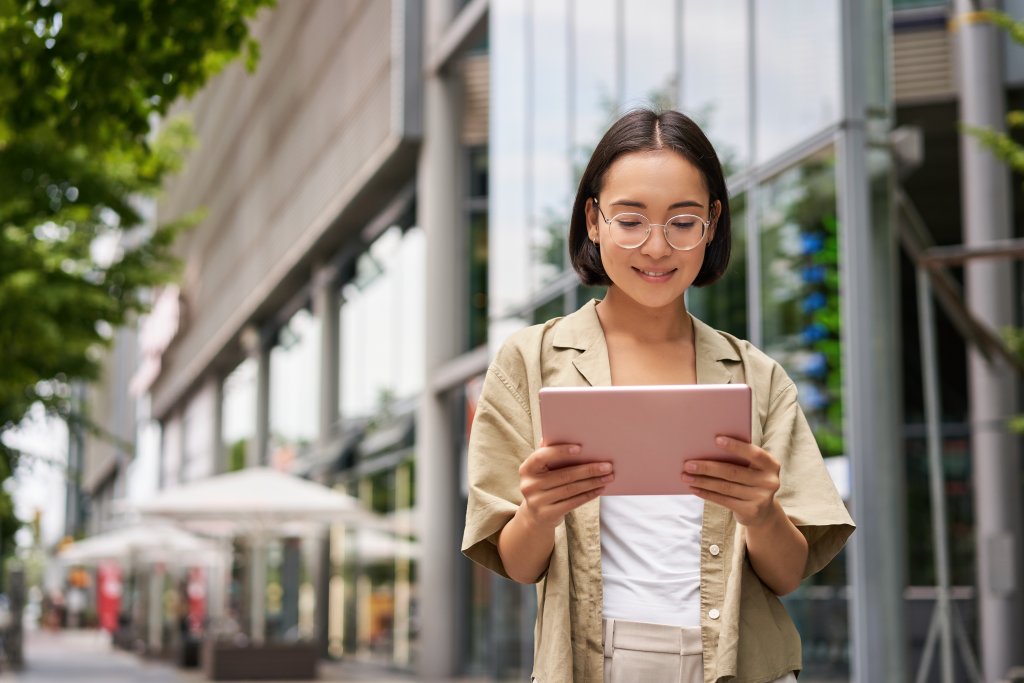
point(621, 315)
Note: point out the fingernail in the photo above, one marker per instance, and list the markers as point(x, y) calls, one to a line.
point(691, 467)
point(688, 479)
point(608, 477)
point(722, 442)
point(574, 449)
point(604, 467)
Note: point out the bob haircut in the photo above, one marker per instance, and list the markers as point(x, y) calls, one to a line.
point(644, 130)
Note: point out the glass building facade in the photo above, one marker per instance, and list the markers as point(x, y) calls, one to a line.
point(361, 368)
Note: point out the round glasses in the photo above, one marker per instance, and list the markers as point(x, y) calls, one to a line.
point(631, 230)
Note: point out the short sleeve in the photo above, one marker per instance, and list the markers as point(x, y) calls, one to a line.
point(501, 438)
point(806, 491)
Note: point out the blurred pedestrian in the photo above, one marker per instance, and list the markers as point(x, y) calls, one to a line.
point(655, 588)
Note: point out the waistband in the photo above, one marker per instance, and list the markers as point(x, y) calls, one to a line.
point(634, 635)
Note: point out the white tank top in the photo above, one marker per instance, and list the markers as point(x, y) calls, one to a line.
point(650, 558)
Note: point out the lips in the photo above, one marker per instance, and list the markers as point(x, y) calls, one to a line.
point(660, 274)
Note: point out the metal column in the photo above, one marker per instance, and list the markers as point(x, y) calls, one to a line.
point(989, 288)
point(867, 252)
point(436, 468)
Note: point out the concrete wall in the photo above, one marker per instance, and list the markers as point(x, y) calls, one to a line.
point(291, 162)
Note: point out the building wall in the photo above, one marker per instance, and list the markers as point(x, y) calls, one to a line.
point(285, 156)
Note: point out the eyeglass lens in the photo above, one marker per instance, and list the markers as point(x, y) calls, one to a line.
point(630, 230)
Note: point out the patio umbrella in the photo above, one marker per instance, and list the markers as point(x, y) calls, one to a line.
point(144, 541)
point(259, 503)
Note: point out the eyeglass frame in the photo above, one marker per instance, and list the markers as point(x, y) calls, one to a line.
point(664, 227)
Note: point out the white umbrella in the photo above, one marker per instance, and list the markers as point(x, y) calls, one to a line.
point(146, 541)
point(257, 499)
point(260, 503)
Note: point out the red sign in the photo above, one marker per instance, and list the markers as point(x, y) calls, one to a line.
point(108, 595)
point(196, 589)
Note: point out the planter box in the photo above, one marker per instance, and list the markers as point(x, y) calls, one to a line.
point(224, 661)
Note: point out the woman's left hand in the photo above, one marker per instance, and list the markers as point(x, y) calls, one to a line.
point(749, 491)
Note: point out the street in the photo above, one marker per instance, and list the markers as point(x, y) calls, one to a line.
point(71, 656)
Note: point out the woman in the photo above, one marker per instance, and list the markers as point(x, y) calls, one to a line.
point(650, 588)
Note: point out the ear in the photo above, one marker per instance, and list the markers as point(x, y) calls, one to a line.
point(593, 227)
point(716, 211)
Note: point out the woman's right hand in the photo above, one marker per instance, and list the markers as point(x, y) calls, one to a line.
point(550, 491)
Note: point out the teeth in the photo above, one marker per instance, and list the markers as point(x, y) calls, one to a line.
point(652, 273)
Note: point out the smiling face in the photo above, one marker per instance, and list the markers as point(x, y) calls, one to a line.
point(659, 184)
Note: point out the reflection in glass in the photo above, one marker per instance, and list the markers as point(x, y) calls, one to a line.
point(715, 89)
point(800, 291)
point(382, 325)
point(723, 305)
point(550, 171)
point(508, 233)
point(797, 72)
point(801, 327)
point(595, 96)
point(294, 394)
point(649, 54)
point(239, 413)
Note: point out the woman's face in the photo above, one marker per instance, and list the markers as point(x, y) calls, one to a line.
point(658, 184)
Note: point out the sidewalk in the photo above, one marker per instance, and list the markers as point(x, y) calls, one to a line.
point(88, 657)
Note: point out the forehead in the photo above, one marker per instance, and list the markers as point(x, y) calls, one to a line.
point(656, 172)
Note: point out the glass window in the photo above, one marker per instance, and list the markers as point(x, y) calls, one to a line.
point(550, 170)
point(800, 290)
point(715, 90)
point(797, 72)
point(508, 231)
point(477, 246)
point(595, 98)
point(239, 413)
point(197, 423)
point(294, 389)
point(723, 305)
point(381, 319)
point(801, 328)
point(649, 54)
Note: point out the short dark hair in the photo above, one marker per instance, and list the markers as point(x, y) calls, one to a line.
point(644, 130)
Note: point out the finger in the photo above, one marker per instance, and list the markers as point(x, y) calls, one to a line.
point(723, 470)
point(567, 475)
point(552, 457)
point(756, 457)
point(721, 486)
point(713, 496)
point(574, 488)
point(569, 504)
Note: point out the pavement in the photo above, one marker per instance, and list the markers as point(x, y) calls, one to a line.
point(88, 657)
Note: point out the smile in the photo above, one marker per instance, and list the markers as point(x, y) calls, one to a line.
point(655, 273)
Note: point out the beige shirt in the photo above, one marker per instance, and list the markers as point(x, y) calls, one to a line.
point(747, 634)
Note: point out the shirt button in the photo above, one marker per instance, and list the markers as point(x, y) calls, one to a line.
point(714, 613)
point(714, 549)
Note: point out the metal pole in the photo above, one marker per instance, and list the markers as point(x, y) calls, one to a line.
point(870, 405)
point(985, 192)
point(929, 373)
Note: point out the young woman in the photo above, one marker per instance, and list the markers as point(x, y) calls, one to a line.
point(650, 588)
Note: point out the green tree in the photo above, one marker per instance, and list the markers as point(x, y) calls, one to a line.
point(1006, 148)
point(82, 85)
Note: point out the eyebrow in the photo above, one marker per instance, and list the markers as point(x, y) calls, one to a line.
point(640, 205)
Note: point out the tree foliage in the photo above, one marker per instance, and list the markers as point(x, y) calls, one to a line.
point(82, 85)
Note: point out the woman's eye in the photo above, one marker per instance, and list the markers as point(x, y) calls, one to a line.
point(684, 224)
point(628, 224)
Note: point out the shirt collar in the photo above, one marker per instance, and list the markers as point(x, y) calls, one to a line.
point(582, 331)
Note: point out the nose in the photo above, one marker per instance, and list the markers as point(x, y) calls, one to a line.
point(656, 245)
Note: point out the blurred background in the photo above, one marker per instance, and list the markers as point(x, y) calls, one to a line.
point(255, 258)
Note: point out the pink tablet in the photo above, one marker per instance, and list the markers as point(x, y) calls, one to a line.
point(648, 432)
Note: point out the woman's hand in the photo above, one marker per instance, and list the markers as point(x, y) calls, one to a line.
point(550, 491)
point(776, 548)
point(748, 491)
